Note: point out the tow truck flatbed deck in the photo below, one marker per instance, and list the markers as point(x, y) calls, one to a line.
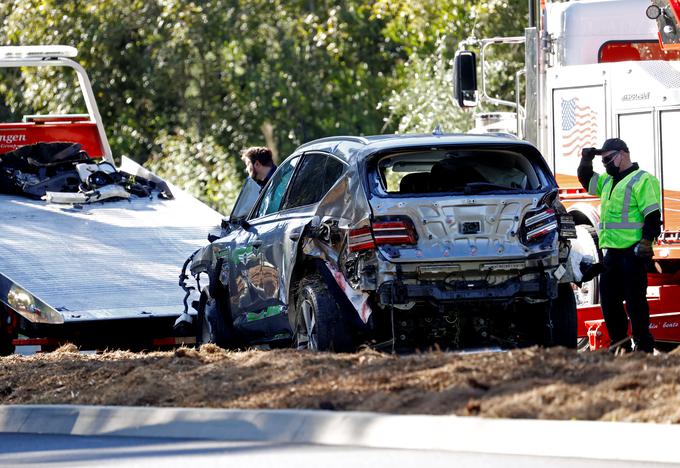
point(106, 260)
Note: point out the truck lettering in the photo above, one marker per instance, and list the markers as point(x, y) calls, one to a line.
point(635, 96)
point(11, 138)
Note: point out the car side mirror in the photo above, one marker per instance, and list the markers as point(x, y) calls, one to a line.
point(465, 78)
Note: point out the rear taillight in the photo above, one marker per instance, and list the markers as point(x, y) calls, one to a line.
point(360, 239)
point(383, 232)
point(394, 232)
point(539, 223)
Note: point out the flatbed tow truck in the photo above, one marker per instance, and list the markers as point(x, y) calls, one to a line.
point(101, 274)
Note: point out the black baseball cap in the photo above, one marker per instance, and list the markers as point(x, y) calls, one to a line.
point(613, 144)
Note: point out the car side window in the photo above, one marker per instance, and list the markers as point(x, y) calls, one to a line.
point(272, 198)
point(317, 174)
point(246, 199)
point(333, 171)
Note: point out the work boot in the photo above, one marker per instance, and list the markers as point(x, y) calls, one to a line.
point(643, 346)
point(621, 346)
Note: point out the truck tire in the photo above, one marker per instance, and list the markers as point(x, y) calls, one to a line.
point(211, 326)
point(7, 332)
point(589, 292)
point(320, 324)
point(561, 318)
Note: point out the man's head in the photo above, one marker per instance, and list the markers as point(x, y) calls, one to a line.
point(258, 161)
point(615, 156)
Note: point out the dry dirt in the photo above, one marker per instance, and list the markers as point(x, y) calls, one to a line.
point(526, 383)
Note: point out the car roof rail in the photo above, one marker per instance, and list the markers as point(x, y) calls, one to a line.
point(339, 138)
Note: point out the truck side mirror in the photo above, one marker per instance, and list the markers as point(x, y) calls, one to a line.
point(465, 78)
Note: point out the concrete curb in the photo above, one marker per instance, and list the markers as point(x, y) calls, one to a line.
point(580, 439)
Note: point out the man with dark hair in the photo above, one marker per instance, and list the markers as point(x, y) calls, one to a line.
point(259, 163)
point(630, 220)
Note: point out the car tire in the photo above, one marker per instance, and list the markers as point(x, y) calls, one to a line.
point(211, 326)
point(561, 323)
point(320, 324)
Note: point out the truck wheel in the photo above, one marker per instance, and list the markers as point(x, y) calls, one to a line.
point(589, 292)
point(319, 321)
point(562, 327)
point(7, 332)
point(210, 326)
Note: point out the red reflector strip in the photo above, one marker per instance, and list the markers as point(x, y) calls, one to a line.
point(174, 340)
point(360, 239)
point(35, 342)
point(675, 6)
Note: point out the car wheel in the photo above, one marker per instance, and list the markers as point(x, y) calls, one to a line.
point(562, 326)
point(319, 321)
point(210, 326)
point(589, 292)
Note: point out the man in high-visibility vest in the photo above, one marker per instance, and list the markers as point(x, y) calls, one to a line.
point(630, 220)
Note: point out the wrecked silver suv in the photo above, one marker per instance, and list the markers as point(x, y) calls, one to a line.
point(455, 241)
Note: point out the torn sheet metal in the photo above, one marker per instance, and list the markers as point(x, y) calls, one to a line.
point(359, 299)
point(344, 206)
point(346, 201)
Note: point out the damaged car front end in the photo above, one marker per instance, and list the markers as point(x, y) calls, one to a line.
point(454, 241)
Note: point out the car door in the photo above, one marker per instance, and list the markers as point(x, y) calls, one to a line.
point(276, 224)
point(254, 307)
point(263, 219)
point(316, 174)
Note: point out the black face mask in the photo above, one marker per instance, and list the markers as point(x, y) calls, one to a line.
point(612, 170)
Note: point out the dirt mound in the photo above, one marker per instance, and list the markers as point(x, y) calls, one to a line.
point(527, 383)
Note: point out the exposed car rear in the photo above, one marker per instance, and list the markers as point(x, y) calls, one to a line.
point(469, 230)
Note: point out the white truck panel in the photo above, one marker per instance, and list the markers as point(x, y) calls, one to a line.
point(670, 149)
point(580, 31)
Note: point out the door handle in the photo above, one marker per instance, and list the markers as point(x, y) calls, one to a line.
point(256, 243)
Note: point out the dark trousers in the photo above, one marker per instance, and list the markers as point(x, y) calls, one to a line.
point(625, 279)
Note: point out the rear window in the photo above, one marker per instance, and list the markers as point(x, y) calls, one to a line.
point(459, 171)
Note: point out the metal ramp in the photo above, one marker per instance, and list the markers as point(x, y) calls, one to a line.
point(106, 260)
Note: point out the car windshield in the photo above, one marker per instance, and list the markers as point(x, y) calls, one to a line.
point(462, 171)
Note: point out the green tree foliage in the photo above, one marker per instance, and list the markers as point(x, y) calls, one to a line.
point(205, 176)
point(431, 31)
point(185, 85)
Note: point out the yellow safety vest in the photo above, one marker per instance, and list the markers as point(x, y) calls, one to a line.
point(623, 209)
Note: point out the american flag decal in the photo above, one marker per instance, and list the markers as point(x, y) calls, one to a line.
point(579, 127)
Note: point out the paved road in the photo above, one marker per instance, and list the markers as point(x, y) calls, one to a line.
point(29, 450)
